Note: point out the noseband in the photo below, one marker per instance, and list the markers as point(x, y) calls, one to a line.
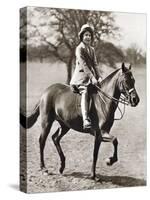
point(124, 90)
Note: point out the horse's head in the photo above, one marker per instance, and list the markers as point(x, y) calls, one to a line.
point(127, 86)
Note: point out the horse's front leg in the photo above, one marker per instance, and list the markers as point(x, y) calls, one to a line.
point(97, 143)
point(109, 138)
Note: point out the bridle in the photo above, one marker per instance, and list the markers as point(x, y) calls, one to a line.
point(125, 90)
point(124, 98)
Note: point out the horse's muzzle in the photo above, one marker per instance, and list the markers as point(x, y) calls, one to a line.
point(134, 98)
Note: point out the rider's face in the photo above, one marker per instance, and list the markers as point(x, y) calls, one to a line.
point(87, 37)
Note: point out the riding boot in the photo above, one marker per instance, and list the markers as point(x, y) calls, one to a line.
point(84, 110)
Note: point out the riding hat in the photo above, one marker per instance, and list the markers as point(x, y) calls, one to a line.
point(85, 28)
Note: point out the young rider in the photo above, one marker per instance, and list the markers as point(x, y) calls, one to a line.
point(86, 71)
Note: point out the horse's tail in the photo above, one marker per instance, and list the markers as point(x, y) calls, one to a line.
point(28, 121)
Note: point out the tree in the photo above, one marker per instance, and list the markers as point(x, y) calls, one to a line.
point(135, 55)
point(57, 30)
point(109, 54)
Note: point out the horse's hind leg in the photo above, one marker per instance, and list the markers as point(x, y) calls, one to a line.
point(46, 126)
point(56, 137)
point(109, 138)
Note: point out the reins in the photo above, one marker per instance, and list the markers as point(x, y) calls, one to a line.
point(121, 112)
point(121, 100)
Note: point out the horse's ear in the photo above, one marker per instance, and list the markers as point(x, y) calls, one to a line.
point(130, 67)
point(123, 67)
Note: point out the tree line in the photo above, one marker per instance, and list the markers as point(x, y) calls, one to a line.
point(53, 33)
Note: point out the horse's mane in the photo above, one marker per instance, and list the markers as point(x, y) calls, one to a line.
point(107, 78)
point(100, 96)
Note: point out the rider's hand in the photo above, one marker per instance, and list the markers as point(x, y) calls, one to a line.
point(94, 81)
point(99, 79)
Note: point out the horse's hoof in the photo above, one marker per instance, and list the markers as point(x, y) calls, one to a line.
point(92, 177)
point(110, 161)
point(61, 170)
point(44, 171)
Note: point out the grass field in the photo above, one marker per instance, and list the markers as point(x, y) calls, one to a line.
point(130, 170)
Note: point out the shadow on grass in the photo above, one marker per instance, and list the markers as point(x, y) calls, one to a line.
point(123, 181)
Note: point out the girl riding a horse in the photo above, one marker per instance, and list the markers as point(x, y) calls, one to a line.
point(86, 71)
point(59, 103)
point(52, 106)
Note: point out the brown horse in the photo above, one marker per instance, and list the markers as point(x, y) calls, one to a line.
point(59, 103)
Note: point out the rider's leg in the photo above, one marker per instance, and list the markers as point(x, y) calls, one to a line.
point(85, 107)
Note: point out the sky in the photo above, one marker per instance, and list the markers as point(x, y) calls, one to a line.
point(133, 29)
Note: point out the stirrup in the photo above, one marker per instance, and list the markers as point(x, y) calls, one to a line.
point(87, 124)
